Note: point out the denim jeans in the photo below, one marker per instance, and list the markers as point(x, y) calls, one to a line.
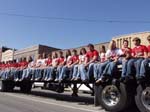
point(38, 73)
point(86, 74)
point(138, 63)
point(111, 68)
point(99, 69)
point(48, 73)
point(144, 67)
point(96, 70)
point(64, 72)
point(59, 70)
point(75, 71)
point(7, 74)
point(128, 68)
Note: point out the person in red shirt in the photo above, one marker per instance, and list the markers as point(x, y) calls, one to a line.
point(70, 68)
point(97, 66)
point(139, 53)
point(127, 52)
point(61, 63)
point(146, 63)
point(86, 70)
point(48, 68)
point(108, 68)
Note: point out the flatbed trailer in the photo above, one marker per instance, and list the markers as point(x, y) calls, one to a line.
point(113, 95)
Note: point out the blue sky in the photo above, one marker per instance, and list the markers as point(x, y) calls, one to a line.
point(19, 32)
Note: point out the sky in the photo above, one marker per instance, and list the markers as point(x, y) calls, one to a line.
point(69, 23)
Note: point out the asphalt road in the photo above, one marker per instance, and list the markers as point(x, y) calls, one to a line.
point(45, 101)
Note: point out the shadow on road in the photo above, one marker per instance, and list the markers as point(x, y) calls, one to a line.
point(80, 100)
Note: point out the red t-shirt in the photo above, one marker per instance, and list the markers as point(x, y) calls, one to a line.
point(61, 60)
point(91, 54)
point(48, 61)
point(148, 48)
point(23, 64)
point(74, 58)
point(126, 50)
point(15, 65)
point(139, 50)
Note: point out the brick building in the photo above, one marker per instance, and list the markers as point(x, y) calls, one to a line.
point(97, 47)
point(33, 51)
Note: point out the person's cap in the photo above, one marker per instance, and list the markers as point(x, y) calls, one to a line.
point(136, 39)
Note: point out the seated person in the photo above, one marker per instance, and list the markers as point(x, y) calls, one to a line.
point(97, 66)
point(61, 63)
point(86, 70)
point(145, 63)
point(82, 60)
point(69, 67)
point(108, 68)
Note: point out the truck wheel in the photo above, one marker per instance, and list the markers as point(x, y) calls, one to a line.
point(26, 87)
point(3, 86)
point(113, 98)
point(6, 86)
point(142, 98)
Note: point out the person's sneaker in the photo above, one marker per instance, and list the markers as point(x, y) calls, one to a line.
point(20, 80)
point(72, 79)
point(49, 79)
point(61, 80)
point(17, 80)
point(37, 79)
point(99, 81)
point(56, 80)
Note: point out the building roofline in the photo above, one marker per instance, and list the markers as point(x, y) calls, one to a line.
point(130, 34)
point(82, 46)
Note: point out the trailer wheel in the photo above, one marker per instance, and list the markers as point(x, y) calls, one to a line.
point(26, 87)
point(142, 98)
point(113, 98)
point(3, 86)
point(6, 86)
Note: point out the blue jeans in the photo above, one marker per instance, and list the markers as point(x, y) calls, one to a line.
point(96, 70)
point(7, 74)
point(59, 70)
point(111, 68)
point(38, 73)
point(86, 74)
point(83, 72)
point(25, 73)
point(64, 73)
point(48, 73)
point(138, 63)
point(75, 71)
point(144, 67)
point(128, 68)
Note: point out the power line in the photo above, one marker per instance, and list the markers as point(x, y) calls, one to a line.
point(75, 19)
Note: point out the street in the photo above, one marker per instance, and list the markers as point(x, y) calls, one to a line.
point(46, 101)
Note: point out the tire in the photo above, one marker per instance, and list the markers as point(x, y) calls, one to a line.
point(26, 87)
point(6, 86)
point(142, 98)
point(3, 86)
point(114, 98)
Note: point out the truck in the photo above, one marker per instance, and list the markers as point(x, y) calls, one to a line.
point(113, 95)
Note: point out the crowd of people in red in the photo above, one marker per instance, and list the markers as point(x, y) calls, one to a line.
point(85, 66)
